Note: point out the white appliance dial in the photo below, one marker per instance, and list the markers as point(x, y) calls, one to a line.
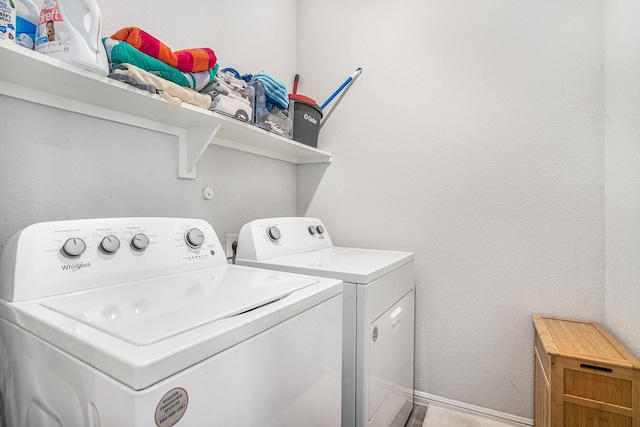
point(320, 229)
point(73, 247)
point(274, 233)
point(110, 244)
point(194, 238)
point(312, 230)
point(140, 242)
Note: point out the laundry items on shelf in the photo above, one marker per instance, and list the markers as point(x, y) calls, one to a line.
point(194, 76)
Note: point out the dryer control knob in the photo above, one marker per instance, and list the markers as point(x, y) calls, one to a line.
point(73, 247)
point(320, 229)
point(139, 242)
point(194, 238)
point(274, 233)
point(110, 244)
point(312, 230)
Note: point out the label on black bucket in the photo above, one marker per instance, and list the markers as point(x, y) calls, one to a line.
point(310, 118)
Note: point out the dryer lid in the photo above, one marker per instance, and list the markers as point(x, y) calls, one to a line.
point(352, 265)
point(151, 310)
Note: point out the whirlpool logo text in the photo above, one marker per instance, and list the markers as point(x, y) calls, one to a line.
point(75, 267)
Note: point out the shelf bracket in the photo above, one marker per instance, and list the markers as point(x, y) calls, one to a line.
point(73, 89)
point(192, 144)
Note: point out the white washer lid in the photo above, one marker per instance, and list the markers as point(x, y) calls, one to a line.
point(176, 310)
point(151, 310)
point(352, 265)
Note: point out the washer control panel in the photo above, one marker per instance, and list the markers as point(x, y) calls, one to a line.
point(62, 256)
point(275, 237)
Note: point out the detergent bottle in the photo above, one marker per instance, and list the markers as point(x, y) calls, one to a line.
point(26, 21)
point(69, 30)
point(8, 20)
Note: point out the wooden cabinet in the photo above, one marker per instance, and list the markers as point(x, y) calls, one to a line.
point(583, 377)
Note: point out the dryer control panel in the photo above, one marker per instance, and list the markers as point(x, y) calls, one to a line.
point(57, 257)
point(275, 237)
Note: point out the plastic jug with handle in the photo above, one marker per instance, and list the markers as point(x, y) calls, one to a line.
point(26, 21)
point(69, 30)
point(7, 20)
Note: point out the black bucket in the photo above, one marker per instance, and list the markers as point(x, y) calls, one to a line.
point(306, 121)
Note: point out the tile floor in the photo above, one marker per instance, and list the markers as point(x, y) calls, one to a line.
point(441, 416)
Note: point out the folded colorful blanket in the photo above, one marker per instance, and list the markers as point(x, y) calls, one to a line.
point(120, 52)
point(275, 90)
point(188, 60)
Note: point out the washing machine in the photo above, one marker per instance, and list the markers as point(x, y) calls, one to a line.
point(378, 335)
point(142, 322)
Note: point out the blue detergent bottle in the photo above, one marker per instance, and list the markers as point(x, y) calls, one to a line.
point(27, 14)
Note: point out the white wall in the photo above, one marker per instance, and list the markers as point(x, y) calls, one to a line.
point(474, 137)
point(58, 165)
point(622, 161)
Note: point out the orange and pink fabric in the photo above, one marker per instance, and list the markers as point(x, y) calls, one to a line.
point(187, 60)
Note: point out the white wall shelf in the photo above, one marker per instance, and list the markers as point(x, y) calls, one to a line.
point(37, 78)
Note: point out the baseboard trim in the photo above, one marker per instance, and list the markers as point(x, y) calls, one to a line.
point(422, 398)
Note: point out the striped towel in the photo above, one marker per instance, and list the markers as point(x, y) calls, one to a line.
point(188, 60)
point(275, 90)
point(120, 52)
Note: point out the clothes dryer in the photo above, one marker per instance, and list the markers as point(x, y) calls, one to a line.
point(142, 322)
point(378, 336)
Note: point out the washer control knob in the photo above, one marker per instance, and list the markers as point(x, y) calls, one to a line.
point(320, 229)
point(73, 247)
point(312, 230)
point(139, 242)
point(194, 238)
point(274, 233)
point(110, 244)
